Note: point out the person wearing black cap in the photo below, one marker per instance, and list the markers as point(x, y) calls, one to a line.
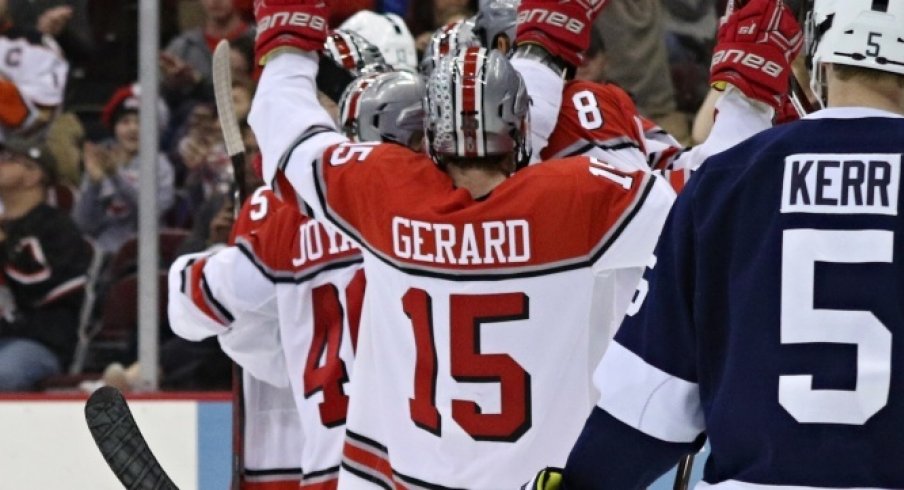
point(44, 263)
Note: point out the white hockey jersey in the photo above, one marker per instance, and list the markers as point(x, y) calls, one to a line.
point(284, 303)
point(35, 65)
point(483, 318)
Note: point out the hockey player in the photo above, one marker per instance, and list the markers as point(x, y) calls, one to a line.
point(772, 316)
point(601, 120)
point(272, 433)
point(480, 279)
point(260, 282)
point(32, 78)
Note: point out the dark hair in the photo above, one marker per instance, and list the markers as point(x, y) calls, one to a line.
point(492, 163)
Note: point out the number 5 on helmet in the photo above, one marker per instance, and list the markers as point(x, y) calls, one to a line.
point(300, 24)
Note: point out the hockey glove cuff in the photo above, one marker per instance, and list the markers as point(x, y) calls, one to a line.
point(300, 24)
point(546, 479)
point(562, 27)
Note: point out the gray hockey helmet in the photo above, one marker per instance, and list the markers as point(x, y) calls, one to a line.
point(496, 17)
point(445, 40)
point(384, 107)
point(477, 106)
point(351, 51)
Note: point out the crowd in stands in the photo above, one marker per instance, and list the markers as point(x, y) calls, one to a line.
point(69, 165)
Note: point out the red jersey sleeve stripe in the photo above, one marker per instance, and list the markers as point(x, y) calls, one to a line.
point(201, 297)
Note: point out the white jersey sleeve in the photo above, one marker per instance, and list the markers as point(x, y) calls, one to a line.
point(284, 113)
point(225, 295)
point(545, 91)
point(737, 118)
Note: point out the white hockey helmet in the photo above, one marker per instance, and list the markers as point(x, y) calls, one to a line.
point(445, 40)
point(385, 107)
point(389, 33)
point(477, 106)
point(863, 33)
point(354, 53)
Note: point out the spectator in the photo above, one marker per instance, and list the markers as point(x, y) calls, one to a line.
point(44, 266)
point(65, 20)
point(427, 16)
point(638, 61)
point(200, 156)
point(107, 209)
point(594, 67)
point(186, 63)
point(214, 219)
point(32, 78)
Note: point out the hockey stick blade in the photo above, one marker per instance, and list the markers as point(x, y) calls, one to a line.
point(121, 443)
point(232, 135)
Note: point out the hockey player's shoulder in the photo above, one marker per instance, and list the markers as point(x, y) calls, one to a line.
point(291, 246)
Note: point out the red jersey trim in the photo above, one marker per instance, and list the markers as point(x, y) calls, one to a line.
point(368, 459)
point(278, 276)
point(496, 274)
point(194, 285)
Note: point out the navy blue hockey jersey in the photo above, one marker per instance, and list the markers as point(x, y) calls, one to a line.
point(772, 319)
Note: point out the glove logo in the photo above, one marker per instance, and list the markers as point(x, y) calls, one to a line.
point(749, 60)
point(295, 19)
point(556, 19)
point(747, 30)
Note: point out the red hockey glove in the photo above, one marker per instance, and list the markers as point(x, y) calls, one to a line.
point(754, 51)
point(562, 27)
point(786, 112)
point(299, 24)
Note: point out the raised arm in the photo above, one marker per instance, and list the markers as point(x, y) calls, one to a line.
point(552, 36)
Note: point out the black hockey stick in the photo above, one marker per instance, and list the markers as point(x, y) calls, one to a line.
point(683, 473)
point(121, 443)
point(235, 147)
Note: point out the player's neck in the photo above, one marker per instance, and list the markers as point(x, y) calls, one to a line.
point(19, 202)
point(479, 182)
point(856, 93)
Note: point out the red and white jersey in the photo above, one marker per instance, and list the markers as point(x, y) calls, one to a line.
point(284, 302)
point(272, 427)
point(484, 318)
point(273, 436)
point(598, 120)
point(35, 65)
point(601, 120)
point(261, 204)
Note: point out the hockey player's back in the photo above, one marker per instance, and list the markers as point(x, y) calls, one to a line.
point(773, 311)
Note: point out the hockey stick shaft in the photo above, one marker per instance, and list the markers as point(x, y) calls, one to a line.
point(120, 442)
point(235, 147)
point(683, 473)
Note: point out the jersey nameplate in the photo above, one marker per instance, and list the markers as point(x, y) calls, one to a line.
point(830, 183)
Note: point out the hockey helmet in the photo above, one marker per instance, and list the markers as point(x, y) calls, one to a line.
point(494, 18)
point(863, 33)
point(354, 53)
point(384, 107)
point(389, 33)
point(477, 106)
point(445, 40)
